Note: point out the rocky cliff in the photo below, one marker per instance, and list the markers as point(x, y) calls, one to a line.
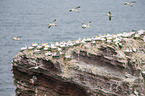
point(109, 65)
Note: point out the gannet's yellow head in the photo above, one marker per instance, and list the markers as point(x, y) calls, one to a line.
point(56, 42)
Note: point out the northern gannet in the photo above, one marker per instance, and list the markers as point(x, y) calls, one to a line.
point(136, 93)
point(23, 48)
point(76, 9)
point(110, 15)
point(86, 26)
point(57, 44)
point(39, 47)
point(48, 54)
point(30, 47)
point(129, 3)
point(37, 51)
point(88, 39)
point(34, 44)
point(52, 24)
point(52, 46)
point(44, 44)
point(17, 38)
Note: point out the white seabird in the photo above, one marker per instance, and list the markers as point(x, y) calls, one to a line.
point(17, 38)
point(48, 54)
point(76, 9)
point(30, 47)
point(136, 93)
point(23, 48)
point(34, 44)
point(37, 51)
point(57, 44)
point(86, 26)
point(110, 15)
point(39, 47)
point(52, 24)
point(44, 44)
point(129, 3)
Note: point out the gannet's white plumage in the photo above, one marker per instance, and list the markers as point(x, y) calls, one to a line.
point(48, 53)
point(110, 15)
point(76, 9)
point(17, 38)
point(136, 93)
point(52, 24)
point(34, 44)
point(86, 26)
point(30, 47)
point(129, 3)
point(23, 48)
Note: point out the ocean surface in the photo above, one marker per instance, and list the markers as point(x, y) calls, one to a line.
point(30, 18)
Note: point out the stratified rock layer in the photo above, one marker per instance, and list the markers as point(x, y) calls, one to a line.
point(109, 65)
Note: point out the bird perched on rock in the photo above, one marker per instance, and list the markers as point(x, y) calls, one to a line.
point(17, 38)
point(136, 93)
point(86, 26)
point(76, 9)
point(52, 24)
point(110, 15)
point(129, 3)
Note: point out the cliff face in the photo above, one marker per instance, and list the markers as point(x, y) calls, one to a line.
point(109, 65)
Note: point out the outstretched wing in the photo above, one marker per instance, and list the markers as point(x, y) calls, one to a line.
point(89, 23)
point(53, 21)
point(125, 3)
point(19, 36)
point(109, 17)
point(77, 7)
point(49, 26)
point(133, 2)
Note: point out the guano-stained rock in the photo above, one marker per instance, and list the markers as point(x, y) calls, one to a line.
point(85, 67)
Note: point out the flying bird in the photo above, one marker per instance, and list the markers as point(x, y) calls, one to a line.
point(17, 38)
point(129, 3)
point(52, 24)
point(76, 9)
point(110, 15)
point(86, 26)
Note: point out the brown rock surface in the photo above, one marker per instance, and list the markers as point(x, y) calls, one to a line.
point(91, 67)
